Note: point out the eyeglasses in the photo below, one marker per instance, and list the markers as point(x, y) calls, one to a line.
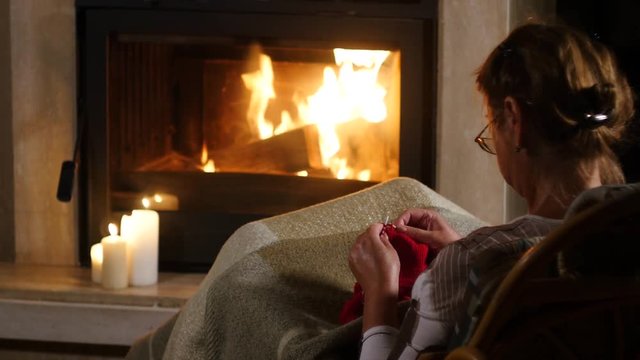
point(485, 143)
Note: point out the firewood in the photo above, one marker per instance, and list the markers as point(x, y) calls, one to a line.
point(292, 151)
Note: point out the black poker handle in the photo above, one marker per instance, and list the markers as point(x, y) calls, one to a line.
point(65, 184)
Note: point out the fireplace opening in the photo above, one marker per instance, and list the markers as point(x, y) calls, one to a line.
point(216, 106)
point(228, 118)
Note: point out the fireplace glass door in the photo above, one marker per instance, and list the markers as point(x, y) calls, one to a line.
point(191, 104)
point(224, 119)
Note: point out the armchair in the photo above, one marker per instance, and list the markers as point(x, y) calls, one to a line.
point(575, 295)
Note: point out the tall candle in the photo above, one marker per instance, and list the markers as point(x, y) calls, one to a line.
point(141, 230)
point(114, 264)
point(96, 263)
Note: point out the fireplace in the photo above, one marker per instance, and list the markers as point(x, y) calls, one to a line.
point(217, 114)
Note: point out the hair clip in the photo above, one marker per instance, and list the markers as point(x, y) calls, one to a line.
point(593, 121)
point(596, 117)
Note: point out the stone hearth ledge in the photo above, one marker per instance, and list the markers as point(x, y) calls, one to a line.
point(61, 304)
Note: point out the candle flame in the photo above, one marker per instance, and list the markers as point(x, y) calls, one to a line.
point(145, 202)
point(96, 252)
point(157, 198)
point(113, 229)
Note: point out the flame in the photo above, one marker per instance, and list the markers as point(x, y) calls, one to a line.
point(364, 175)
point(350, 93)
point(205, 154)
point(208, 165)
point(157, 198)
point(260, 83)
point(353, 93)
point(146, 203)
point(286, 123)
point(113, 229)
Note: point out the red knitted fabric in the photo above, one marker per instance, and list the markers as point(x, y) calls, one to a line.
point(413, 261)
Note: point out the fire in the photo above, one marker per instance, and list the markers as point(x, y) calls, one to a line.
point(353, 93)
point(350, 93)
point(208, 165)
point(260, 83)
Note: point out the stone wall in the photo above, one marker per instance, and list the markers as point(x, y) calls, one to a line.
point(468, 176)
point(43, 119)
point(469, 30)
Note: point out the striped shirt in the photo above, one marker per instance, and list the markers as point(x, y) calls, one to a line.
point(438, 292)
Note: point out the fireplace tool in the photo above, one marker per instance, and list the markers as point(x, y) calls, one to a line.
point(68, 168)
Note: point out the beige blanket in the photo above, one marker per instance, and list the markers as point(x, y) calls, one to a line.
point(277, 286)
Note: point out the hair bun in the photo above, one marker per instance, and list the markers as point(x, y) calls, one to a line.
point(594, 105)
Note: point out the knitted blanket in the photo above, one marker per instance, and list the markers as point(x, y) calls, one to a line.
point(281, 295)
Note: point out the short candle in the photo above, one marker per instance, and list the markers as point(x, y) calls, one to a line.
point(114, 264)
point(96, 263)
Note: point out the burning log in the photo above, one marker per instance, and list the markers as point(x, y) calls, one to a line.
point(171, 162)
point(292, 151)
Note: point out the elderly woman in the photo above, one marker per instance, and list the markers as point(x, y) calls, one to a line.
point(556, 103)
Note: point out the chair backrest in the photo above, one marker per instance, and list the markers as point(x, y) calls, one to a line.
point(595, 284)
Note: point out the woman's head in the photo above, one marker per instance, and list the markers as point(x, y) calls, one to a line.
point(572, 100)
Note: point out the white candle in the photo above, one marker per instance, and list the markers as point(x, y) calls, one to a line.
point(114, 264)
point(141, 230)
point(96, 263)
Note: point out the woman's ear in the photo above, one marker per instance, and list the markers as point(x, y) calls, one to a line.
point(513, 117)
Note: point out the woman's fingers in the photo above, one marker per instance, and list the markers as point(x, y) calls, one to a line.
point(374, 262)
point(426, 226)
point(420, 218)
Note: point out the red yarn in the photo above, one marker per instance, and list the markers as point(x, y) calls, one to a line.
point(413, 261)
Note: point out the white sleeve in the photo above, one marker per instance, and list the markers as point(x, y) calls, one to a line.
point(377, 342)
point(420, 328)
point(436, 300)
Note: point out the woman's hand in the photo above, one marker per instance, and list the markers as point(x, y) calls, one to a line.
point(376, 266)
point(426, 226)
point(374, 262)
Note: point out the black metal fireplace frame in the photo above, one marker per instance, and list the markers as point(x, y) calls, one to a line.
point(409, 27)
